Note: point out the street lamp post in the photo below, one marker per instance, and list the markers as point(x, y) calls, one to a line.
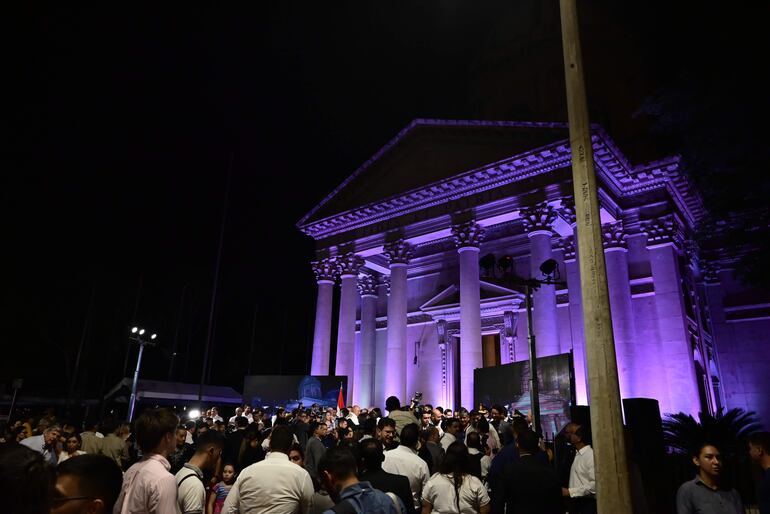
point(137, 337)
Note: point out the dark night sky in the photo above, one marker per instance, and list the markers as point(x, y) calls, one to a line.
point(118, 130)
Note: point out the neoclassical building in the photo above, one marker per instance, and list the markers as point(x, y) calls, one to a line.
point(403, 236)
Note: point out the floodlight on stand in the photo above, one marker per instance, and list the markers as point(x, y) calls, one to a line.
point(505, 263)
point(141, 332)
point(487, 263)
point(134, 330)
point(549, 268)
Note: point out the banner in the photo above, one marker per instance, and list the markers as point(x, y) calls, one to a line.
point(270, 391)
point(508, 385)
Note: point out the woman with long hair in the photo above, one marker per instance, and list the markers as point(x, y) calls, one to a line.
point(453, 490)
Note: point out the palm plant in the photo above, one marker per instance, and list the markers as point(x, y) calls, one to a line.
point(728, 431)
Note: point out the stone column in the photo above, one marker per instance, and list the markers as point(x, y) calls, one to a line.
point(325, 272)
point(676, 353)
point(616, 262)
point(365, 354)
point(577, 345)
point(347, 266)
point(398, 254)
point(537, 222)
point(467, 238)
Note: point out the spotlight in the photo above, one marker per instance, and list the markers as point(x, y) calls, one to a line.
point(194, 414)
point(153, 336)
point(549, 267)
point(505, 263)
point(141, 332)
point(487, 263)
point(134, 330)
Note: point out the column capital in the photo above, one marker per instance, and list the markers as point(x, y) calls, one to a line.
point(567, 211)
point(613, 236)
point(325, 270)
point(661, 230)
point(468, 234)
point(398, 252)
point(539, 217)
point(385, 281)
point(567, 244)
point(349, 264)
point(367, 285)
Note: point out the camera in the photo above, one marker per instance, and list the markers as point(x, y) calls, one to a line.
point(415, 400)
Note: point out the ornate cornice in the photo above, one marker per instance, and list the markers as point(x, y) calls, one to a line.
point(325, 269)
point(468, 234)
point(349, 264)
point(617, 175)
point(709, 271)
point(367, 285)
point(398, 252)
point(661, 230)
point(538, 217)
point(613, 236)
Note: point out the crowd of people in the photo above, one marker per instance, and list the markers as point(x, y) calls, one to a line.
point(408, 459)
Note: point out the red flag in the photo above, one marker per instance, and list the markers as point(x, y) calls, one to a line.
point(340, 401)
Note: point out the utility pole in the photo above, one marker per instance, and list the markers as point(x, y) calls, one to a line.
point(612, 485)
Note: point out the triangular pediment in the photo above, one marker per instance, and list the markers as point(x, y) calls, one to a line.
point(449, 297)
point(428, 151)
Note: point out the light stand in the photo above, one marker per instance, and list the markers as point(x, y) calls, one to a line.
point(550, 270)
point(137, 337)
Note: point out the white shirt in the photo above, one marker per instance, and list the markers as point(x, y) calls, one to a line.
point(217, 418)
point(440, 493)
point(191, 493)
point(275, 485)
point(446, 440)
point(64, 455)
point(404, 461)
point(485, 461)
point(582, 477)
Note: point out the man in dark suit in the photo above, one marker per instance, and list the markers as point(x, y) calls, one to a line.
point(371, 456)
point(527, 484)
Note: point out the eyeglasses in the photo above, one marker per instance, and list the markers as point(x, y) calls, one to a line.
point(61, 500)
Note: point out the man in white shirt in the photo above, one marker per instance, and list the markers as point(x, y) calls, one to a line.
point(215, 414)
point(355, 410)
point(582, 475)
point(191, 492)
point(275, 485)
point(450, 434)
point(404, 460)
point(45, 443)
point(238, 412)
point(248, 415)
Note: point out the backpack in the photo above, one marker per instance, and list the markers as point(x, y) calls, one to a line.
point(347, 507)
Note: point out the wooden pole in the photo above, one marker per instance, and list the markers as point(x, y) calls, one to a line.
point(612, 485)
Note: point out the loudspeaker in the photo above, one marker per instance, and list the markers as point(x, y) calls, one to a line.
point(646, 428)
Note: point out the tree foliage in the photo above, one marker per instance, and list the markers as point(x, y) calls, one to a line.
point(728, 431)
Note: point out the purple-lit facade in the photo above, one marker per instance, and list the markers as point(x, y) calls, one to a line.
point(403, 235)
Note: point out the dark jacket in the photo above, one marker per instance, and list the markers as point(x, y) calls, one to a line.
point(390, 483)
point(437, 455)
point(527, 485)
